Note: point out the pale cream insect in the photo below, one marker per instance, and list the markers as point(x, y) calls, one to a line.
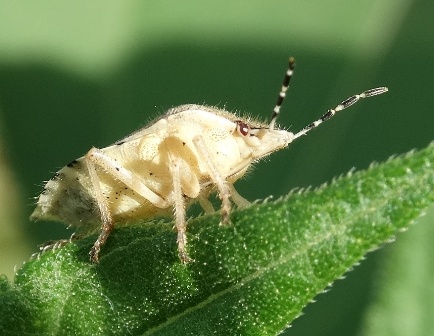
point(177, 159)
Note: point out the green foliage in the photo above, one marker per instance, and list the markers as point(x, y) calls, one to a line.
point(252, 277)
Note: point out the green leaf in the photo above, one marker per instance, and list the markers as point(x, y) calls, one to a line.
point(404, 296)
point(252, 277)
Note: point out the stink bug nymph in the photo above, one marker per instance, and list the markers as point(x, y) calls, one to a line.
point(159, 170)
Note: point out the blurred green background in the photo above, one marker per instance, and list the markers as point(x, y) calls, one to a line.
point(76, 74)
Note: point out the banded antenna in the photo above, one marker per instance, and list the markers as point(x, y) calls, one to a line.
point(282, 93)
point(326, 116)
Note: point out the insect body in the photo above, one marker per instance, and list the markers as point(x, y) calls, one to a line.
point(179, 158)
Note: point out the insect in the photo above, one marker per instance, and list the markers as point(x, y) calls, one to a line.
point(160, 170)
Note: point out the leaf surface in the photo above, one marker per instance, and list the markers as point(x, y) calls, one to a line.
point(252, 277)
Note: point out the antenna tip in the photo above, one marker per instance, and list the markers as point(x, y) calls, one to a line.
point(376, 91)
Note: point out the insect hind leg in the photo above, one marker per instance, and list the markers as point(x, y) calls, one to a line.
point(179, 208)
point(103, 207)
point(96, 157)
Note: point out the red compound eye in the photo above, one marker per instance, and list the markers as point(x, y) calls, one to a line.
point(242, 128)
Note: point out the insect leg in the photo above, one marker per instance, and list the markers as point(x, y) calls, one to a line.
point(218, 179)
point(179, 207)
point(124, 175)
point(96, 157)
point(206, 204)
point(239, 200)
point(106, 217)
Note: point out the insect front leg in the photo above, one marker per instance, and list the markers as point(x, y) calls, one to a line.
point(96, 157)
point(217, 178)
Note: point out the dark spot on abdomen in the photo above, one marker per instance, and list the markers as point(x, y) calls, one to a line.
point(72, 164)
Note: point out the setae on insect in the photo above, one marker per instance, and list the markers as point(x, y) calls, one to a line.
point(179, 158)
